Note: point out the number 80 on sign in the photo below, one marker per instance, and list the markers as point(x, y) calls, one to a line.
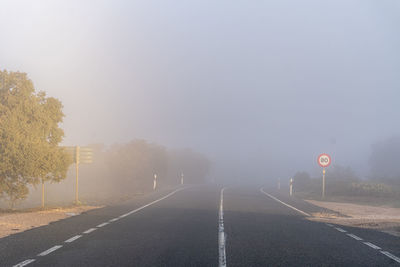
point(324, 160)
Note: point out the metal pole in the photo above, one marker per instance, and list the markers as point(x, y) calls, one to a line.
point(77, 176)
point(42, 194)
point(323, 183)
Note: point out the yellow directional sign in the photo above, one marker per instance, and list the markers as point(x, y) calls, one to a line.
point(80, 154)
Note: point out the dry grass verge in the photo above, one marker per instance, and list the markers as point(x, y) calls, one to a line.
point(383, 218)
point(12, 222)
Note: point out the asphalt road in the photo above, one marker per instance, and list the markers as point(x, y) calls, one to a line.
point(191, 227)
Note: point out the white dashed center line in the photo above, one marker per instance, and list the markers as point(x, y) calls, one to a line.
point(72, 239)
point(340, 230)
point(221, 233)
point(50, 250)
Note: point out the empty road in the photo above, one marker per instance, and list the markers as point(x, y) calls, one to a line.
point(200, 226)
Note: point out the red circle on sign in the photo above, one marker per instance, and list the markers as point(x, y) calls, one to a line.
point(324, 160)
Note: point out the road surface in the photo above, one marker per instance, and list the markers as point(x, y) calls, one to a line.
point(200, 226)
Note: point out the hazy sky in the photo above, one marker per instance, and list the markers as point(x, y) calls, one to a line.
point(262, 87)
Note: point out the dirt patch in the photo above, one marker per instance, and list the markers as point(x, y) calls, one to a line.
point(381, 218)
point(19, 221)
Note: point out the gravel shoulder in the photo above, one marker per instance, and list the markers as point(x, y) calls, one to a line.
point(19, 221)
point(383, 218)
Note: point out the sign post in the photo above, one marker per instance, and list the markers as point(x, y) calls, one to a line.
point(324, 160)
point(79, 155)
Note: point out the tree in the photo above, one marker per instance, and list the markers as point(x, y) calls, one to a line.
point(301, 181)
point(29, 137)
point(134, 164)
point(384, 161)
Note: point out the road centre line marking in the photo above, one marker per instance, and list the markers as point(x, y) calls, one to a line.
point(102, 224)
point(371, 245)
point(50, 250)
point(355, 237)
point(72, 239)
point(24, 263)
point(90, 230)
point(221, 233)
point(302, 212)
point(113, 220)
point(330, 225)
point(340, 230)
point(390, 255)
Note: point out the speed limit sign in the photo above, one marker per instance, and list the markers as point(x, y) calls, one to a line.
point(324, 160)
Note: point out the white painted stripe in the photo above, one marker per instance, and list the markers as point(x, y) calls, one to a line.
point(102, 224)
point(154, 202)
point(371, 245)
point(90, 230)
point(221, 233)
point(340, 230)
point(330, 225)
point(302, 212)
point(113, 220)
point(50, 250)
point(24, 263)
point(390, 255)
point(72, 239)
point(123, 216)
point(355, 237)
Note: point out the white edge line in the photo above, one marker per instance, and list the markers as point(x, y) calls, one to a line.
point(340, 230)
point(302, 212)
point(330, 225)
point(390, 255)
point(113, 220)
point(88, 231)
point(72, 239)
point(102, 224)
point(50, 250)
point(24, 263)
point(371, 245)
point(355, 237)
point(221, 233)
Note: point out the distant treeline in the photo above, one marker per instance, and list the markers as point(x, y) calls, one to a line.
point(30, 151)
point(130, 168)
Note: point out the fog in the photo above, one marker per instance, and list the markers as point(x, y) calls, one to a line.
point(260, 87)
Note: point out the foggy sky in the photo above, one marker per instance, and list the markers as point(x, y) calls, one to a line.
point(261, 87)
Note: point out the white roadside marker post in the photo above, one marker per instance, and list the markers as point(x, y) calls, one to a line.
point(155, 182)
point(291, 187)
